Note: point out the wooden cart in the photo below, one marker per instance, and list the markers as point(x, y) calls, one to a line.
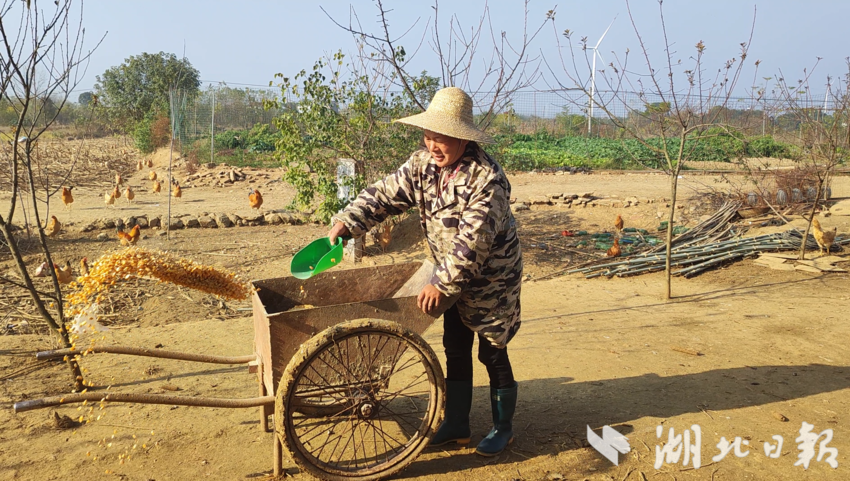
point(354, 391)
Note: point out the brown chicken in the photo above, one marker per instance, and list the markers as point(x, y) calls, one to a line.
point(384, 236)
point(618, 223)
point(255, 198)
point(614, 250)
point(67, 197)
point(149, 163)
point(116, 192)
point(152, 175)
point(128, 239)
point(140, 165)
point(157, 187)
point(64, 274)
point(109, 199)
point(176, 191)
point(84, 266)
point(53, 226)
point(129, 194)
point(118, 179)
point(823, 238)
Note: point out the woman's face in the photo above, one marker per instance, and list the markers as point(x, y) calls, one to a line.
point(444, 149)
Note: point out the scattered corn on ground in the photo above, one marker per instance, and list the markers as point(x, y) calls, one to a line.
point(137, 262)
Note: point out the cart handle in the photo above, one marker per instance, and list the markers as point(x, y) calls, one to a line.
point(140, 351)
point(208, 402)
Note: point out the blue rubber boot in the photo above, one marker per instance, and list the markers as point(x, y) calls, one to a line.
point(455, 425)
point(503, 404)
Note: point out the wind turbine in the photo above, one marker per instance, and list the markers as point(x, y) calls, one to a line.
point(593, 74)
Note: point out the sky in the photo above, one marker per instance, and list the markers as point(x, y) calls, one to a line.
point(245, 43)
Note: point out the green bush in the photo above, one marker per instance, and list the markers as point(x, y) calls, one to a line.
point(142, 135)
point(231, 139)
point(719, 145)
point(541, 150)
point(152, 132)
point(261, 138)
point(767, 146)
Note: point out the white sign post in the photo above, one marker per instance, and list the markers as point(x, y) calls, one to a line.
point(347, 170)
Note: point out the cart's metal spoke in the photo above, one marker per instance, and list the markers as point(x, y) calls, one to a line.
point(330, 389)
point(347, 442)
point(329, 365)
point(411, 384)
point(318, 425)
point(343, 364)
point(379, 429)
point(327, 441)
point(379, 351)
point(338, 440)
point(412, 362)
point(402, 348)
point(401, 418)
point(389, 436)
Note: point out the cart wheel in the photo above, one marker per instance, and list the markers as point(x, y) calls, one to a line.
point(359, 401)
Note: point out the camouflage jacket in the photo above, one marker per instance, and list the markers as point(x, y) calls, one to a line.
point(470, 230)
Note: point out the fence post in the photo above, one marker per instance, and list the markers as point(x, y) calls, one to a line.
point(212, 129)
point(348, 170)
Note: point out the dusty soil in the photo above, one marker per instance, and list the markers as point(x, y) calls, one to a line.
point(596, 352)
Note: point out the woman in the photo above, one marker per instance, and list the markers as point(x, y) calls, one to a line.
point(463, 198)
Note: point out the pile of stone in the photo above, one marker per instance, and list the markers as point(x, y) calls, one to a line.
point(584, 199)
point(203, 221)
point(223, 175)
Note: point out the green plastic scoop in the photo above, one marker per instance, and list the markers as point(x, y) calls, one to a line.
point(318, 256)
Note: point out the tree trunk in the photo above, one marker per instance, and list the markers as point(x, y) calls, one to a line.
point(674, 184)
point(802, 255)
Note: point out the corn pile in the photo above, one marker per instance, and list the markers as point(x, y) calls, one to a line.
point(136, 262)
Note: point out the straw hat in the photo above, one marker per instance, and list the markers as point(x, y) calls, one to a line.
point(449, 113)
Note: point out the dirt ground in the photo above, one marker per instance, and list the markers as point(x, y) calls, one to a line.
point(772, 352)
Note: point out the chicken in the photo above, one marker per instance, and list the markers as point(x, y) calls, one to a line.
point(152, 175)
point(614, 250)
point(255, 198)
point(65, 275)
point(118, 180)
point(140, 165)
point(67, 197)
point(53, 227)
point(109, 199)
point(128, 239)
point(116, 192)
point(149, 163)
point(41, 271)
point(176, 191)
point(84, 266)
point(618, 223)
point(129, 194)
point(157, 187)
point(384, 236)
point(823, 238)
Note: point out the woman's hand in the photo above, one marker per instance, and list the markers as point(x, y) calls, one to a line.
point(338, 230)
point(429, 298)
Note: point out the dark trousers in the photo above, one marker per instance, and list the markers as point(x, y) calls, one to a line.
point(457, 340)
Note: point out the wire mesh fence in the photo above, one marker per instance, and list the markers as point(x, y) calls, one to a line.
point(221, 119)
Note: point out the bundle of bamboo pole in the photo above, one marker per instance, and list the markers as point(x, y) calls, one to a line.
point(699, 253)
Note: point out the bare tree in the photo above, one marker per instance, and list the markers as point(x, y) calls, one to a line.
point(669, 108)
point(478, 59)
point(41, 60)
point(824, 133)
